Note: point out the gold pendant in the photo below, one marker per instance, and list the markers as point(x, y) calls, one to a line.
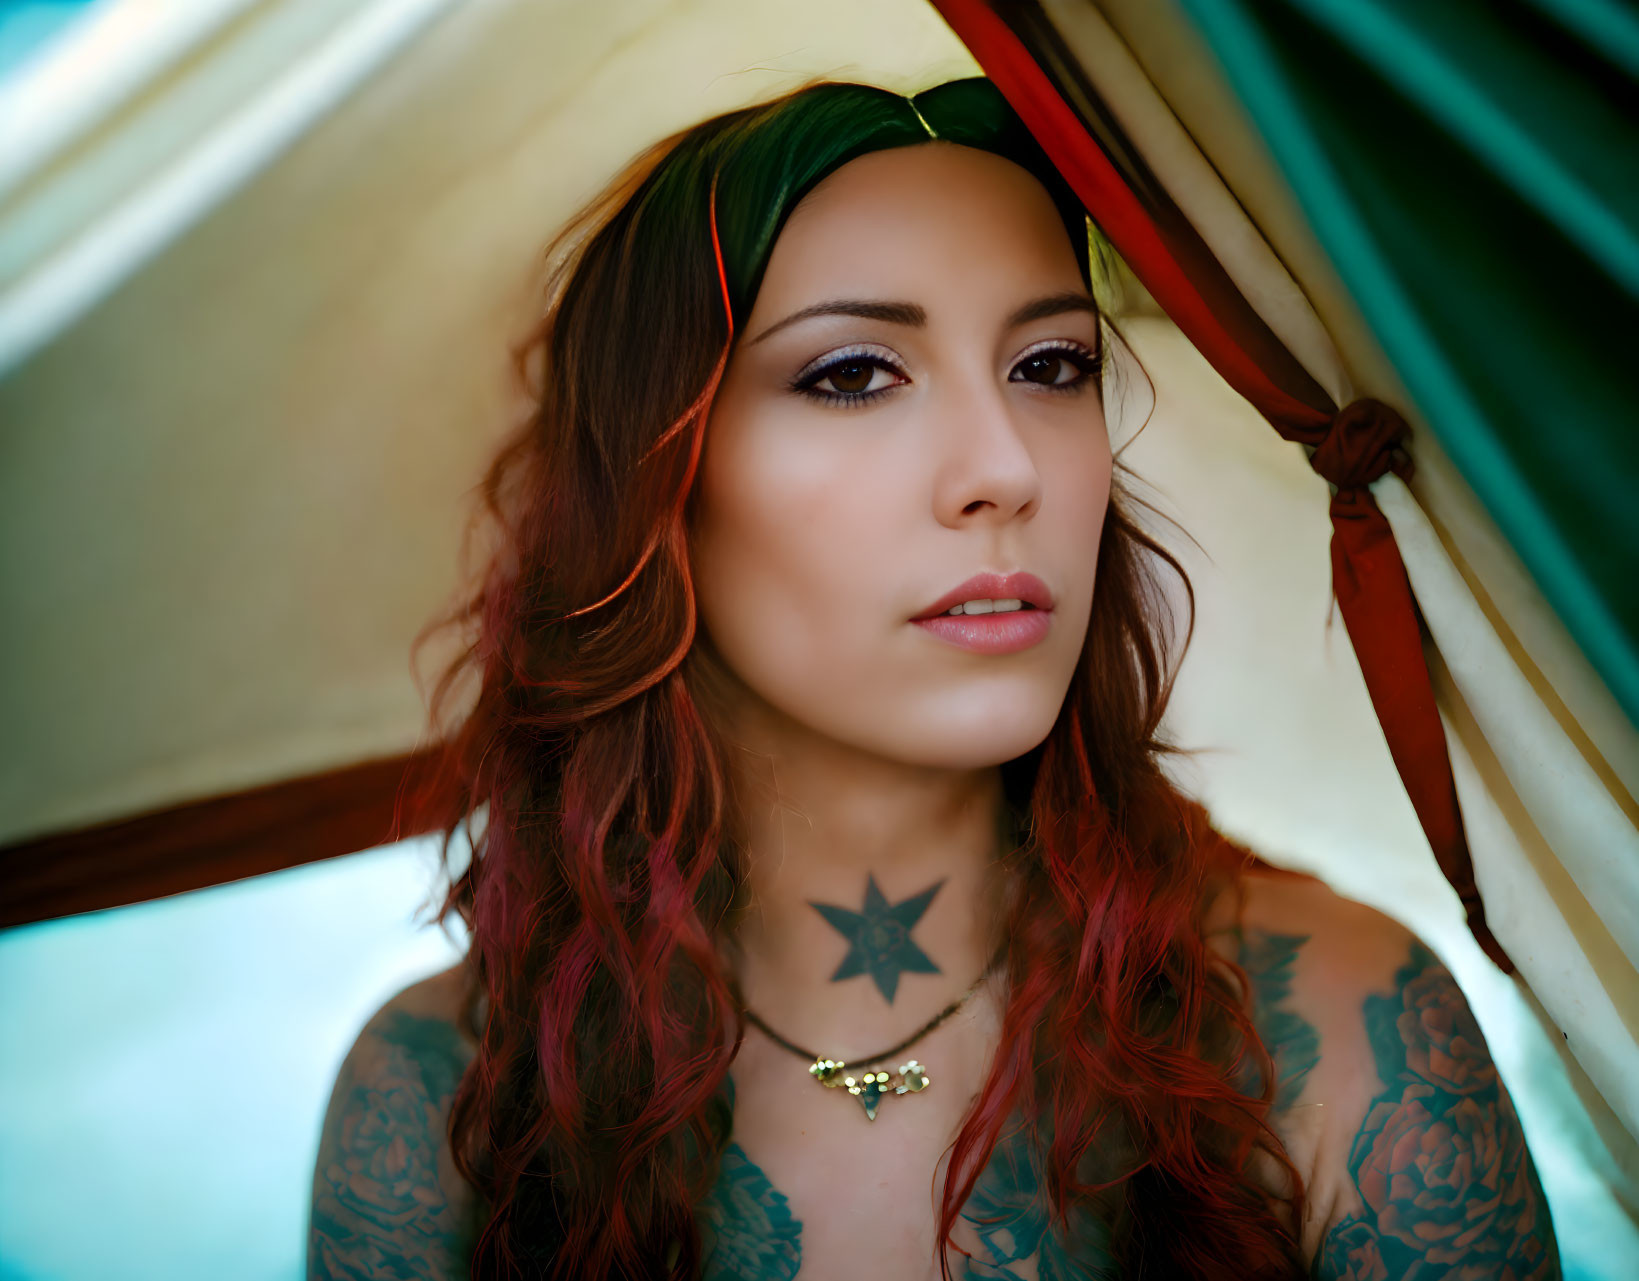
point(870, 1088)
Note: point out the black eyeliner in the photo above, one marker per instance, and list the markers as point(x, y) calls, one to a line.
point(1084, 359)
point(814, 371)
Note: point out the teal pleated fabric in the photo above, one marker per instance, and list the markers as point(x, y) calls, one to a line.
point(1472, 169)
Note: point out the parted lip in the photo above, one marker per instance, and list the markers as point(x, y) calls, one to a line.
point(1017, 585)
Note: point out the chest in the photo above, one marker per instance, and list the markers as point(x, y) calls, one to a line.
point(811, 1187)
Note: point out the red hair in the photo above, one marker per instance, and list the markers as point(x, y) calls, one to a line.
point(607, 866)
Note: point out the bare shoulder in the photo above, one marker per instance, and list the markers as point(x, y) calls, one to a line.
point(387, 1200)
point(1390, 1102)
point(438, 996)
point(1346, 946)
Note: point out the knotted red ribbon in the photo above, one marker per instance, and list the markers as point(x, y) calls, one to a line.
point(1362, 443)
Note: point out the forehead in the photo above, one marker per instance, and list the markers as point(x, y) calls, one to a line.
point(913, 221)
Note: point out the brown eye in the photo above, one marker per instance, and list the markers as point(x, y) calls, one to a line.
point(1060, 367)
point(846, 379)
point(851, 377)
point(1049, 368)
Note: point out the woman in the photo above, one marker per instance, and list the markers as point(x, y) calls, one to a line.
point(831, 910)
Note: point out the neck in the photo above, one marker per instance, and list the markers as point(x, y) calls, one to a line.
point(903, 861)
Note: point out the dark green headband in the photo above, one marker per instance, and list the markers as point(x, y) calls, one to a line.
point(766, 159)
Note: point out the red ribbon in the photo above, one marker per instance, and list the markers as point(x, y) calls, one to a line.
point(1362, 443)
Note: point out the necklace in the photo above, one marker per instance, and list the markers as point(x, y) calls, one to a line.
point(870, 1088)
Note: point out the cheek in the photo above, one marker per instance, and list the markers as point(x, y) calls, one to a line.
point(1076, 470)
point(788, 526)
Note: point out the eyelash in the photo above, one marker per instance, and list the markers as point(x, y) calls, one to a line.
point(1087, 363)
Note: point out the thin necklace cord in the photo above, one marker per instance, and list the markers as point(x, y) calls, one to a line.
point(753, 1018)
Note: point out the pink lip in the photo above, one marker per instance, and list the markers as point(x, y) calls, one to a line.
point(992, 633)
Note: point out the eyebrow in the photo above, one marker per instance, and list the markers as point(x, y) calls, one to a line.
point(910, 313)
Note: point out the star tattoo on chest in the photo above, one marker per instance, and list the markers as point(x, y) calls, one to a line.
point(879, 938)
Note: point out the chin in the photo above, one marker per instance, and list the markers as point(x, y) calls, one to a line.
point(975, 736)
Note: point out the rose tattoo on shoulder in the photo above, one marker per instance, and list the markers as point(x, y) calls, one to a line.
point(1440, 1161)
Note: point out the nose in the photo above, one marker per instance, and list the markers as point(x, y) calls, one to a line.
point(986, 472)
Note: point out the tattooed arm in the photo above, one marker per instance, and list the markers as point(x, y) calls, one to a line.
point(1388, 1101)
point(387, 1202)
point(1445, 1185)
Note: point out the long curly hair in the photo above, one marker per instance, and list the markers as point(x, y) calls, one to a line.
point(591, 786)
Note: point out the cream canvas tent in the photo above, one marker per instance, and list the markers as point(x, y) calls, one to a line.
point(260, 266)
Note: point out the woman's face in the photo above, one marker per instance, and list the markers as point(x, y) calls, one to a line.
point(913, 402)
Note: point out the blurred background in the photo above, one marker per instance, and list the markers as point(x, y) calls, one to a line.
point(260, 264)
